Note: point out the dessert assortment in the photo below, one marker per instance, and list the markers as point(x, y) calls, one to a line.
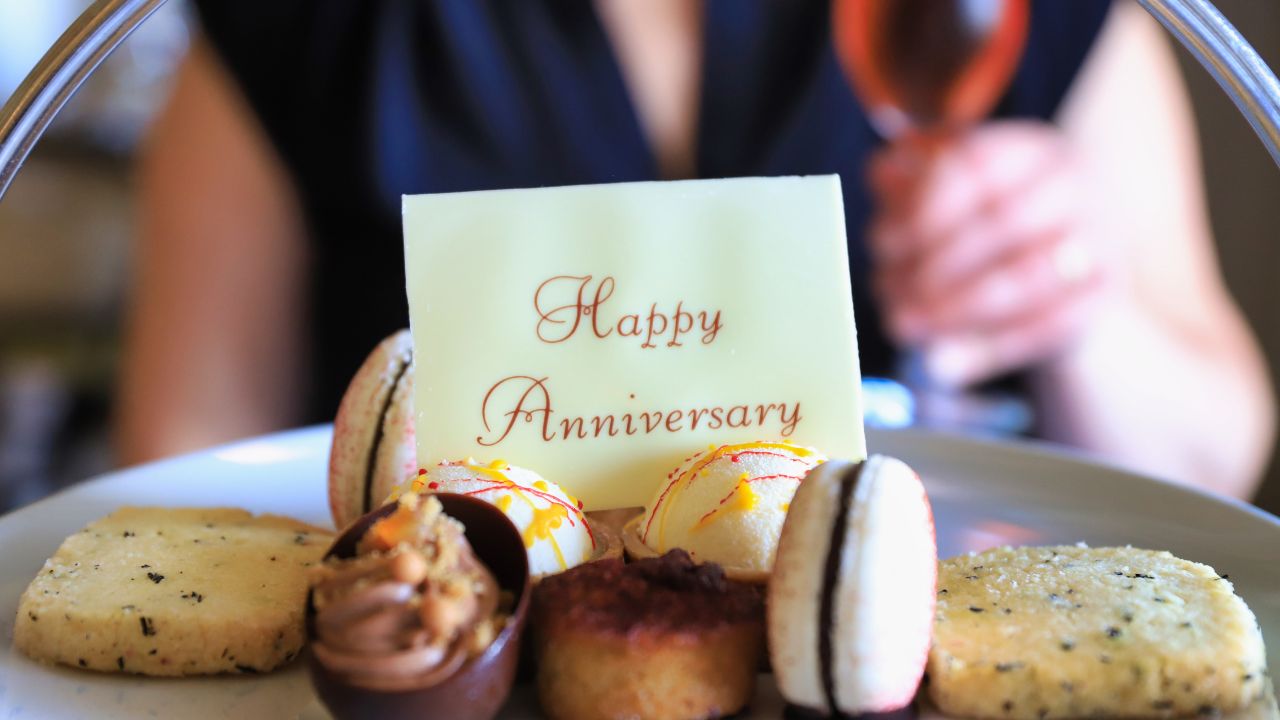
point(748, 554)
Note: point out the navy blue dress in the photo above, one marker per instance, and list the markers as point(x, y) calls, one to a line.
point(366, 100)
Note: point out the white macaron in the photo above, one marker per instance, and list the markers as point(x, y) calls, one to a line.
point(851, 600)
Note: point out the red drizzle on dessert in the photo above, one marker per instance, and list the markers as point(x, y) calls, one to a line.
point(496, 479)
point(551, 522)
point(802, 458)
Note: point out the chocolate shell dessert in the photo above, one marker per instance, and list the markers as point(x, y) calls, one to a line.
point(418, 612)
point(657, 638)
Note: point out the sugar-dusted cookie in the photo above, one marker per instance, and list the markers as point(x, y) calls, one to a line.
point(1066, 632)
point(163, 591)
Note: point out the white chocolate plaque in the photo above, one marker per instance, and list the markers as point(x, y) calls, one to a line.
point(600, 334)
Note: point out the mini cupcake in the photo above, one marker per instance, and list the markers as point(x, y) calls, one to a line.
point(658, 638)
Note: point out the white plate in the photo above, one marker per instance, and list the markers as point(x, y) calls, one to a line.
point(983, 494)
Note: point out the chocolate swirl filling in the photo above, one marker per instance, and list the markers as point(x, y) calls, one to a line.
point(380, 431)
point(830, 581)
point(405, 618)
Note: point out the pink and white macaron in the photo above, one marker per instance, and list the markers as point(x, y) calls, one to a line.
point(851, 599)
point(373, 436)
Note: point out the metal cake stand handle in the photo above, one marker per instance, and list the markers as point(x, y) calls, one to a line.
point(72, 59)
point(25, 116)
point(1228, 57)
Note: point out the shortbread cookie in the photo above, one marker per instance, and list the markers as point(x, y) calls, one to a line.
point(1067, 632)
point(173, 592)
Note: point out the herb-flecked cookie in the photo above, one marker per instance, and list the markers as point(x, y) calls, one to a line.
point(1066, 632)
point(163, 591)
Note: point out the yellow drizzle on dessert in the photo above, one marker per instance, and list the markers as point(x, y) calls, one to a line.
point(741, 498)
point(697, 467)
point(544, 519)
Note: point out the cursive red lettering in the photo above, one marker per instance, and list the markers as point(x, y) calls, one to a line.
point(789, 423)
point(567, 428)
point(603, 292)
point(682, 323)
point(600, 421)
point(564, 303)
point(630, 320)
point(528, 399)
point(654, 329)
point(533, 401)
point(762, 412)
point(566, 314)
point(710, 327)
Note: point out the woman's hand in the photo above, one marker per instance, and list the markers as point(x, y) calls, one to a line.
point(985, 258)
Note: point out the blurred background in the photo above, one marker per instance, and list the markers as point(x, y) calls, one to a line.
point(66, 225)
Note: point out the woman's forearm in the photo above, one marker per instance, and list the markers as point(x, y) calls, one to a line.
point(1167, 378)
point(1194, 408)
point(215, 325)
